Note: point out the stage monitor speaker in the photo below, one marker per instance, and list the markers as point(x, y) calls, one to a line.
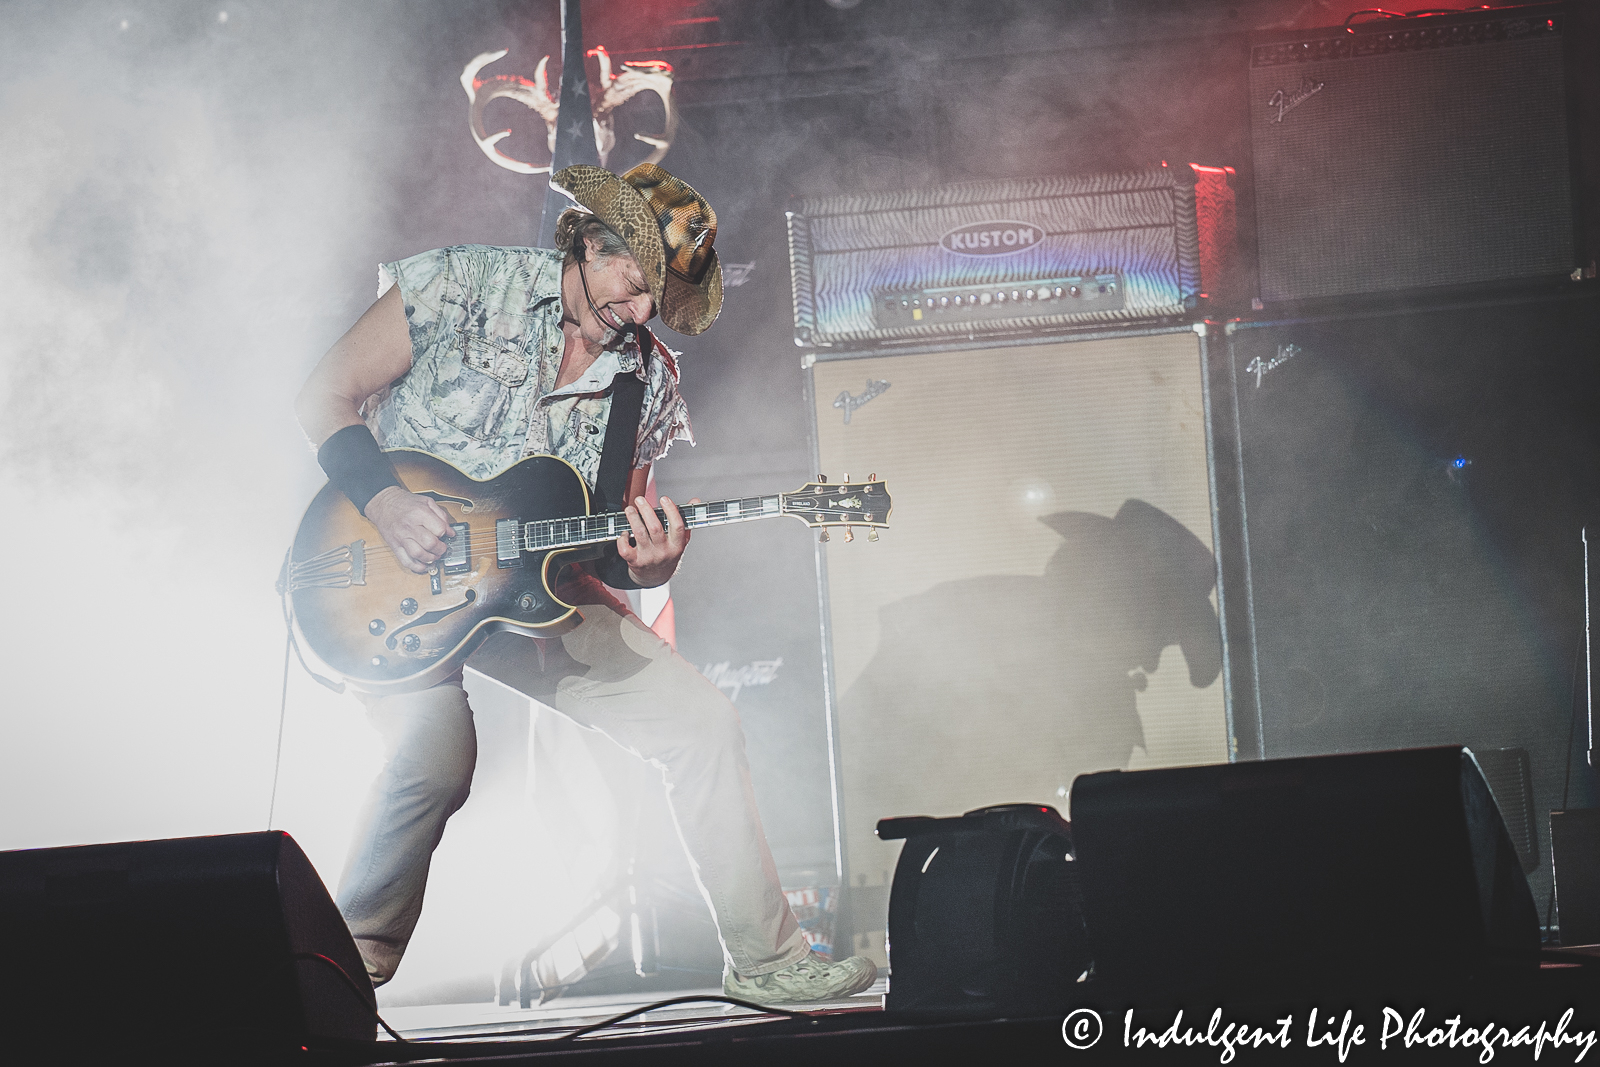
point(225, 943)
point(984, 913)
point(1415, 487)
point(1402, 154)
point(1386, 872)
point(1042, 602)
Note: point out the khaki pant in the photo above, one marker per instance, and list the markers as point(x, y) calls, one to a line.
point(611, 674)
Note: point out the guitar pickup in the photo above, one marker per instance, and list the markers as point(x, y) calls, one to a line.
point(458, 557)
point(507, 543)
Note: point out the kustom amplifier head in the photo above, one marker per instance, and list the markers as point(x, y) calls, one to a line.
point(987, 258)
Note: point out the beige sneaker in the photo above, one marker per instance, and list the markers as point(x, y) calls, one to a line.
point(806, 981)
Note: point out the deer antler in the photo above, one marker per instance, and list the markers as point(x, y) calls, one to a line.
point(638, 76)
point(649, 75)
point(534, 95)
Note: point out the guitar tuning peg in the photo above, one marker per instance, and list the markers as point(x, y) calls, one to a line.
point(872, 534)
point(822, 478)
point(847, 477)
point(823, 536)
point(849, 534)
point(872, 477)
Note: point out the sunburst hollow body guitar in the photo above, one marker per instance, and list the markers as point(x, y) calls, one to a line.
point(384, 629)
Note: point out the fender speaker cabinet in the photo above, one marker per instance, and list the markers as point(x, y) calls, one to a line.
point(989, 258)
point(1416, 491)
point(1044, 601)
point(1403, 154)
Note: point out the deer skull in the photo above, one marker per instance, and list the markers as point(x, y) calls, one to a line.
point(615, 89)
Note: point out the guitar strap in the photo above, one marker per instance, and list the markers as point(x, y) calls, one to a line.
point(616, 458)
point(622, 433)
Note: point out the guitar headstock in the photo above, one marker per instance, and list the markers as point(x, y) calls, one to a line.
point(824, 504)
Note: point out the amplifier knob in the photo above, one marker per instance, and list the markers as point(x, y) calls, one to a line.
point(999, 298)
point(1028, 294)
point(1074, 290)
point(1058, 292)
point(944, 301)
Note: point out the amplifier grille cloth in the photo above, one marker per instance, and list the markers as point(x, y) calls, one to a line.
point(1413, 169)
point(982, 655)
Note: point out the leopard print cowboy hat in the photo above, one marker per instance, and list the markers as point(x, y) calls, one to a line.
point(670, 229)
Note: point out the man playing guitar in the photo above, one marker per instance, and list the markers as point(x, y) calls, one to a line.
point(483, 356)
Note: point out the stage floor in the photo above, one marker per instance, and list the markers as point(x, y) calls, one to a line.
point(488, 1021)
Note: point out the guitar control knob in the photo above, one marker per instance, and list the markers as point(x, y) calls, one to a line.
point(408, 606)
point(526, 602)
point(376, 627)
point(412, 642)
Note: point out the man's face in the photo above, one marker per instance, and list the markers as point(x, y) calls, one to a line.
point(619, 294)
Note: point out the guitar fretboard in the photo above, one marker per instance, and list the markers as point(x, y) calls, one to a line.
point(594, 529)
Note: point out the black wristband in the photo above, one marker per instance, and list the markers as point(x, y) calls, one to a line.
point(356, 465)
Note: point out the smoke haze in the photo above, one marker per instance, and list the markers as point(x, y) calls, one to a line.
point(194, 195)
point(189, 195)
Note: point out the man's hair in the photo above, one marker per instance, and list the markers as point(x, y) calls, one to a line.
point(576, 226)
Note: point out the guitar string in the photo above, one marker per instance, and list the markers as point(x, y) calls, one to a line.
point(744, 513)
point(487, 535)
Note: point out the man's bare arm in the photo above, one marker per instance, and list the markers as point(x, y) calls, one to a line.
point(371, 354)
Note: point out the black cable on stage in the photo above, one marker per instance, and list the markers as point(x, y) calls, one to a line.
point(351, 982)
point(1383, 12)
point(581, 1031)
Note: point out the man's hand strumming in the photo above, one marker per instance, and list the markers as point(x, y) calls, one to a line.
point(413, 526)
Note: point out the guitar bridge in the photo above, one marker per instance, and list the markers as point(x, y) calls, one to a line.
point(337, 568)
